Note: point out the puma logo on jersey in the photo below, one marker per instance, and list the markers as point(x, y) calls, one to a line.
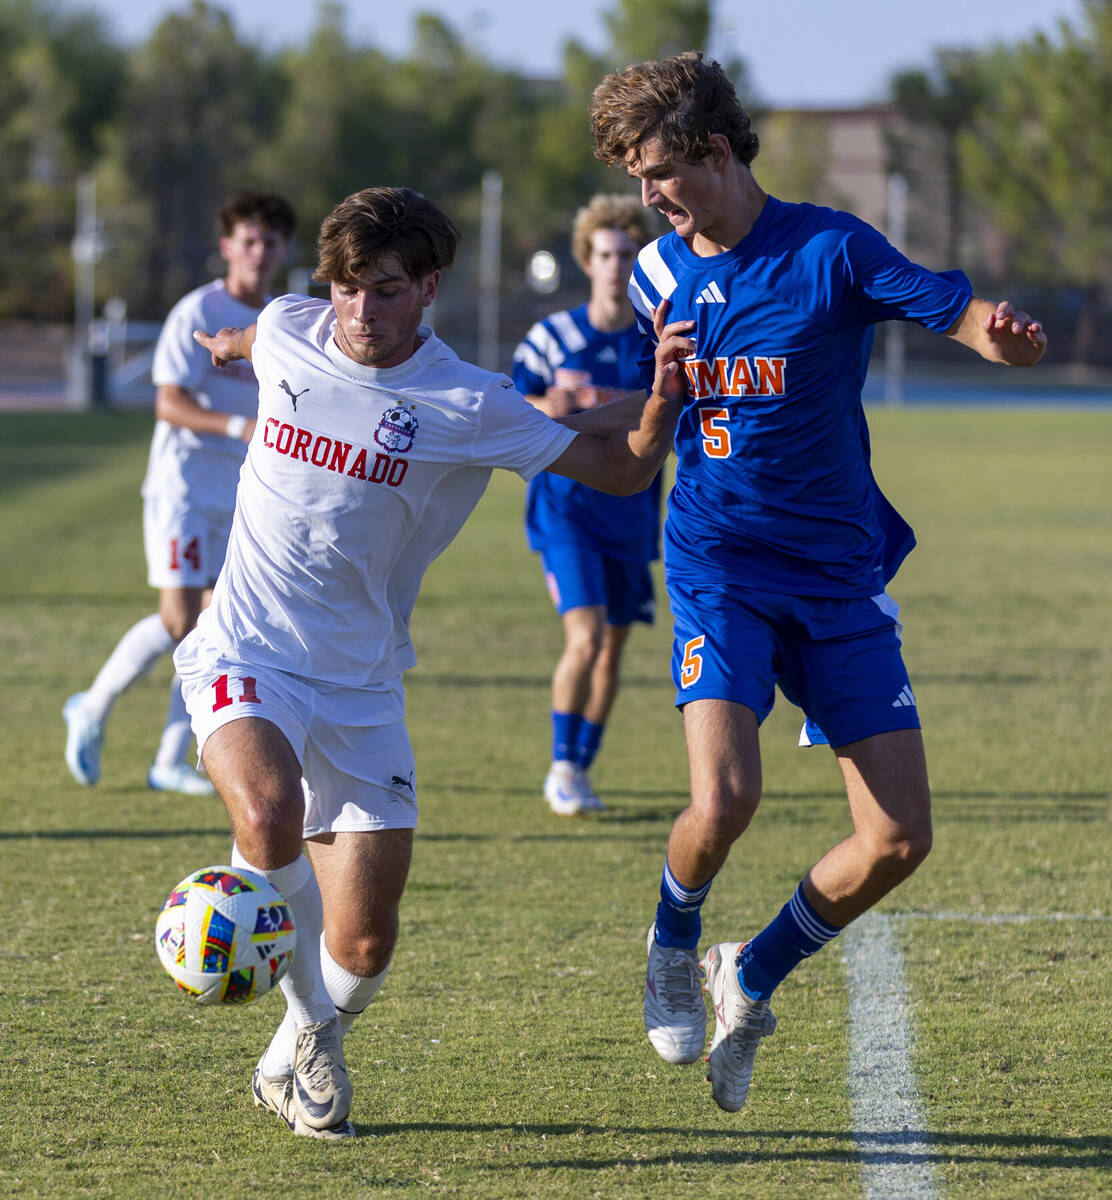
point(291, 393)
point(741, 376)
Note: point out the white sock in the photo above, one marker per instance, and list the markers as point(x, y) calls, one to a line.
point(136, 652)
point(307, 998)
point(350, 993)
point(177, 731)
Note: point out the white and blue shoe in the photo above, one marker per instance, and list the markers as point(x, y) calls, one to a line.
point(84, 739)
point(179, 777)
point(567, 788)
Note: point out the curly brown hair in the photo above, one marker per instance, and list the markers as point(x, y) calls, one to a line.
point(384, 220)
point(606, 211)
point(681, 100)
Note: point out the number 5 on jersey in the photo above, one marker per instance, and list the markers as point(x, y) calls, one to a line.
point(716, 433)
point(223, 688)
point(692, 665)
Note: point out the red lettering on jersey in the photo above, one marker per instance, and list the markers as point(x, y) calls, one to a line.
point(300, 442)
point(359, 466)
point(266, 430)
point(322, 448)
point(398, 469)
point(380, 469)
point(340, 452)
point(285, 436)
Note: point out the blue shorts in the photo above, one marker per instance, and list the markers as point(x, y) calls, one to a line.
point(579, 577)
point(839, 660)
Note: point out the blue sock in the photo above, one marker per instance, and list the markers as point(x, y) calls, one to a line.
point(795, 934)
point(678, 919)
point(565, 735)
point(590, 738)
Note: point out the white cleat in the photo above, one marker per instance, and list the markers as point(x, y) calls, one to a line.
point(179, 777)
point(740, 1023)
point(675, 1015)
point(84, 739)
point(321, 1087)
point(568, 790)
point(275, 1094)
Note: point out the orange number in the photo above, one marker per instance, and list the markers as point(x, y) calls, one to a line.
point(716, 437)
point(692, 666)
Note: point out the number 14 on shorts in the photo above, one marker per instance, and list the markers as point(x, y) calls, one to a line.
point(225, 687)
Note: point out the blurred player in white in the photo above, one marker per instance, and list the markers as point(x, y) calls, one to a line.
point(595, 548)
point(204, 420)
point(374, 442)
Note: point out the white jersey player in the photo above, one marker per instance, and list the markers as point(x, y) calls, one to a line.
point(204, 418)
point(373, 444)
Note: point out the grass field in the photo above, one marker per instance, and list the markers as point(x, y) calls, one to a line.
point(505, 1057)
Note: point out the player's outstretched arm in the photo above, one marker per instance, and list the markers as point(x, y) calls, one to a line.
point(228, 344)
point(176, 406)
point(999, 333)
point(626, 460)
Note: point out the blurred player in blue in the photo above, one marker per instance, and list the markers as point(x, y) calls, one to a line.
point(595, 548)
point(778, 544)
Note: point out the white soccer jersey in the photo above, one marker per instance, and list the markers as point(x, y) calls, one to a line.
point(356, 479)
point(202, 468)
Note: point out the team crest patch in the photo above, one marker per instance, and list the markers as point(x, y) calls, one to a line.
point(397, 428)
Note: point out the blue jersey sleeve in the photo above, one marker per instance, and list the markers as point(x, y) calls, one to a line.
point(887, 286)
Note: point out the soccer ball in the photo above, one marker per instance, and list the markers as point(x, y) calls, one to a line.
point(225, 935)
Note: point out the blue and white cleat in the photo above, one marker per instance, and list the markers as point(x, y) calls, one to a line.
point(179, 777)
point(84, 739)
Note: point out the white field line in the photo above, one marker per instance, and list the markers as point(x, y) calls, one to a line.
point(889, 1124)
point(999, 918)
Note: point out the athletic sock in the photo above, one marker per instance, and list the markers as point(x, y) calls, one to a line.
point(590, 738)
point(350, 993)
point(302, 985)
point(177, 730)
point(794, 934)
point(135, 653)
point(678, 919)
point(565, 735)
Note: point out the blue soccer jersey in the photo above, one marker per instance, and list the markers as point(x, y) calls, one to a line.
point(774, 490)
point(566, 348)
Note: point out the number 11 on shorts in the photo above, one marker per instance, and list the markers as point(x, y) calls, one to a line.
point(222, 687)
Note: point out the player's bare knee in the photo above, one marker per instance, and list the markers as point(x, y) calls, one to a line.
point(364, 954)
point(725, 815)
point(901, 853)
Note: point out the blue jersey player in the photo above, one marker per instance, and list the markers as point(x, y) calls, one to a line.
point(778, 544)
point(595, 548)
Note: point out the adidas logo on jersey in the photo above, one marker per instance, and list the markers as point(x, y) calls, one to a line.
point(906, 699)
point(711, 294)
point(607, 354)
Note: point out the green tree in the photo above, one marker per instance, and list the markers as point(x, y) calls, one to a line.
point(641, 30)
point(197, 100)
point(940, 103)
point(1039, 157)
point(59, 77)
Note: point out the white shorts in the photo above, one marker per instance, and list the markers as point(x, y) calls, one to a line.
point(357, 766)
point(185, 545)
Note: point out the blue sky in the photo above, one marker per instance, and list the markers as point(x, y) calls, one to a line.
point(823, 52)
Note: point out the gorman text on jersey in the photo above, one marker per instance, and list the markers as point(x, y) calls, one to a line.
point(331, 454)
point(744, 375)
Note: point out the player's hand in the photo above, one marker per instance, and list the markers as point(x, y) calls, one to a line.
point(1004, 323)
point(225, 346)
point(673, 345)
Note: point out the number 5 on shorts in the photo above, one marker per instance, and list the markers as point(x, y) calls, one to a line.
point(692, 666)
